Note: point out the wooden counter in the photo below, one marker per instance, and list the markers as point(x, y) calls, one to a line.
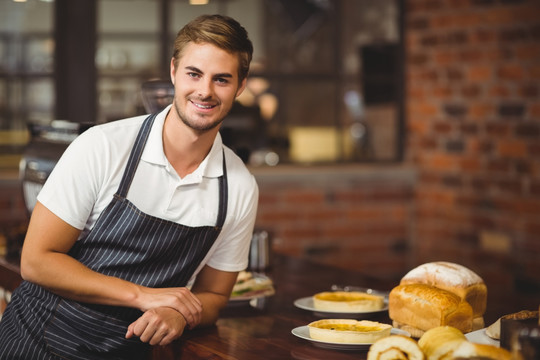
point(244, 332)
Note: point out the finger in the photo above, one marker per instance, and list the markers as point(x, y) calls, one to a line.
point(139, 326)
point(167, 339)
point(129, 332)
point(157, 336)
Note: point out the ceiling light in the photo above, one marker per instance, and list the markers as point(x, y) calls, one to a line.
point(198, 2)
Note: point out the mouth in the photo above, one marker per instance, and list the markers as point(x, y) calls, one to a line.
point(203, 106)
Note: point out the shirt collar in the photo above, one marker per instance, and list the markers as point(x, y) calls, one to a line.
point(210, 167)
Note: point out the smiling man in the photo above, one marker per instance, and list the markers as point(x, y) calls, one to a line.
point(142, 227)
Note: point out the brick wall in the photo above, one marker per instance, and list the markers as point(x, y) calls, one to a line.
point(354, 218)
point(473, 117)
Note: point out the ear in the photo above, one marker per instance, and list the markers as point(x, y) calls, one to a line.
point(241, 87)
point(172, 71)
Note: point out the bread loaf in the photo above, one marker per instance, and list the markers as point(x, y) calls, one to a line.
point(425, 307)
point(395, 347)
point(455, 278)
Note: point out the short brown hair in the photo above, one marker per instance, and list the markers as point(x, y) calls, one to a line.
point(221, 31)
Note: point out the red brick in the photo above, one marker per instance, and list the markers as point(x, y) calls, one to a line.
point(299, 197)
point(471, 91)
point(512, 148)
point(479, 110)
point(444, 57)
point(533, 72)
point(420, 126)
point(510, 15)
point(497, 129)
point(483, 36)
point(471, 164)
point(527, 51)
point(510, 72)
point(479, 73)
point(499, 90)
point(528, 91)
point(416, 93)
point(534, 110)
point(442, 91)
point(442, 127)
point(499, 165)
point(423, 109)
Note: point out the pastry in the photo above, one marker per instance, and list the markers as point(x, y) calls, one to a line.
point(347, 301)
point(348, 331)
point(395, 347)
point(440, 342)
point(469, 350)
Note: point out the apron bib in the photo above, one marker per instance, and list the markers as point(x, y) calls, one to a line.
point(124, 243)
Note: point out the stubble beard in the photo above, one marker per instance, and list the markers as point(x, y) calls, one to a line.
point(199, 127)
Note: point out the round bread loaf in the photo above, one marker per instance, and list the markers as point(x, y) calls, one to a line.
point(347, 301)
point(348, 331)
point(452, 277)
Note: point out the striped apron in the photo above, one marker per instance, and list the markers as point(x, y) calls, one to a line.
point(125, 243)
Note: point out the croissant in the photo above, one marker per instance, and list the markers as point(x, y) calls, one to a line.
point(395, 347)
point(446, 342)
point(469, 350)
point(440, 342)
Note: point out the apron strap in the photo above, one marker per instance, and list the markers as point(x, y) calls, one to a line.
point(223, 195)
point(135, 156)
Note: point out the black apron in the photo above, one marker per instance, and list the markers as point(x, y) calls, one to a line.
point(125, 243)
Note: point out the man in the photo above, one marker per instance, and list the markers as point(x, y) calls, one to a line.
point(134, 212)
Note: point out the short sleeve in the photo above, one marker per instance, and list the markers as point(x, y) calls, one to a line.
point(72, 188)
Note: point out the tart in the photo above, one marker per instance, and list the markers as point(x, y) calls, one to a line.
point(347, 301)
point(348, 331)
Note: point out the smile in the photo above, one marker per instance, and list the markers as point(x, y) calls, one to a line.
point(201, 106)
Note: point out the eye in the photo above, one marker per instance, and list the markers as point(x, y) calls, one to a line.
point(193, 75)
point(222, 81)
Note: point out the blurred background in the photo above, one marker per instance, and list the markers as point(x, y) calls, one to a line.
point(383, 134)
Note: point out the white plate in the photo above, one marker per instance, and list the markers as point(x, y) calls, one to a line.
point(303, 333)
point(480, 337)
point(306, 303)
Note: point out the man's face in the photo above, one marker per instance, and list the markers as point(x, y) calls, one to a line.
point(205, 84)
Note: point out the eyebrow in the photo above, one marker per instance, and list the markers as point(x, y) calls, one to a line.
point(197, 70)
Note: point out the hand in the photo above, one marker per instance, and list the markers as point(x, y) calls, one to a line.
point(179, 299)
point(158, 326)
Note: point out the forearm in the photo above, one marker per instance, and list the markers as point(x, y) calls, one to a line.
point(212, 304)
point(65, 276)
point(213, 288)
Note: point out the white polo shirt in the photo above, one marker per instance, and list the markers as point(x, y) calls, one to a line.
point(88, 174)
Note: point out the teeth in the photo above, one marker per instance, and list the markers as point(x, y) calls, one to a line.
point(203, 106)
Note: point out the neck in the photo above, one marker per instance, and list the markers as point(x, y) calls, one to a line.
point(184, 147)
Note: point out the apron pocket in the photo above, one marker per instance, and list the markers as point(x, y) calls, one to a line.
point(78, 332)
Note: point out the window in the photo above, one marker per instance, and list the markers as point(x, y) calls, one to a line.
point(26, 74)
point(325, 85)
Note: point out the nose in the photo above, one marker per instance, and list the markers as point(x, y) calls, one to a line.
point(204, 89)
